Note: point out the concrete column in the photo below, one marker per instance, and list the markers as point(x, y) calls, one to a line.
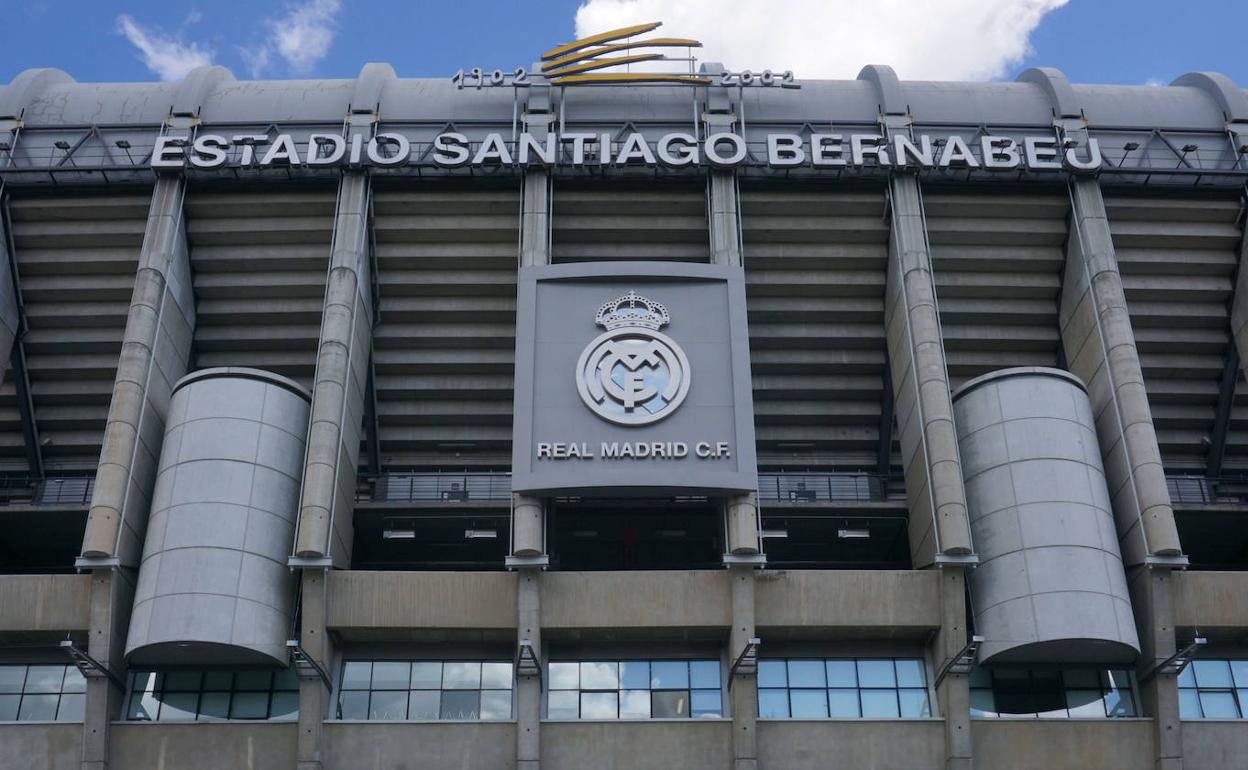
point(313, 694)
point(333, 450)
point(954, 694)
point(743, 688)
point(154, 355)
point(725, 218)
point(743, 525)
point(1152, 597)
point(939, 525)
point(10, 319)
point(1239, 307)
point(528, 523)
point(112, 591)
point(535, 219)
point(529, 688)
point(1100, 346)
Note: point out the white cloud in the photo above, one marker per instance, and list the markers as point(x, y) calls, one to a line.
point(301, 36)
point(166, 55)
point(949, 40)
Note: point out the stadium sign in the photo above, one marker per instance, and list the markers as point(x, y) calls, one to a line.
point(672, 150)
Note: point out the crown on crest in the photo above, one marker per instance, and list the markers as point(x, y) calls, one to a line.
point(632, 310)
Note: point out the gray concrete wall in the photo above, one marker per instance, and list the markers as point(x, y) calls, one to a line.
point(360, 601)
point(53, 603)
point(641, 745)
point(202, 746)
point(659, 599)
point(420, 746)
point(1215, 745)
point(891, 744)
point(843, 603)
point(40, 746)
point(1064, 744)
point(1211, 600)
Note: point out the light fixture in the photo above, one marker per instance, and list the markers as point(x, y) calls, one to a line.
point(1190, 148)
point(1243, 149)
point(481, 534)
point(122, 144)
point(398, 534)
point(61, 144)
point(853, 534)
point(1131, 146)
point(5, 146)
point(775, 533)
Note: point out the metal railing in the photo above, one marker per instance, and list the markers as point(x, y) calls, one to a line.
point(439, 487)
point(1201, 490)
point(826, 487)
point(60, 490)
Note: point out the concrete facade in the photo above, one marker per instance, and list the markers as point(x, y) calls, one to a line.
point(389, 294)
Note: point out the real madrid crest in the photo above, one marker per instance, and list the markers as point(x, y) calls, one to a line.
point(632, 374)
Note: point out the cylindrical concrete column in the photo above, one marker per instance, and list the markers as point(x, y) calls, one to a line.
point(1050, 585)
point(743, 525)
point(527, 526)
point(214, 587)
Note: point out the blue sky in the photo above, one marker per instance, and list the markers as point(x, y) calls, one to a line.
point(1112, 41)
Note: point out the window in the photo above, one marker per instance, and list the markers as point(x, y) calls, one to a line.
point(1214, 689)
point(395, 690)
point(634, 689)
point(842, 688)
point(38, 693)
point(1076, 693)
point(185, 696)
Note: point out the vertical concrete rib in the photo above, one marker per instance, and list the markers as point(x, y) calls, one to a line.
point(936, 498)
point(528, 514)
point(1239, 305)
point(329, 474)
point(743, 687)
point(1100, 348)
point(154, 355)
point(10, 319)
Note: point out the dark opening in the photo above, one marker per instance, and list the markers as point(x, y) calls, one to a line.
point(40, 540)
point(1214, 540)
point(824, 540)
point(430, 540)
point(635, 534)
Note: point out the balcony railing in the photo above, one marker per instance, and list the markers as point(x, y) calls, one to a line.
point(1200, 490)
point(61, 490)
point(826, 487)
point(440, 487)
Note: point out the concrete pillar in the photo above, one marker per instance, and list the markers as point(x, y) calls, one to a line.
point(314, 695)
point(1239, 307)
point(1100, 348)
point(333, 451)
point(743, 525)
point(112, 591)
point(743, 688)
point(10, 318)
point(528, 522)
point(529, 688)
point(954, 693)
point(535, 218)
point(1152, 596)
point(939, 526)
point(725, 218)
point(154, 354)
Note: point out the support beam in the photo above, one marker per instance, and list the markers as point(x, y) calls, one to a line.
point(884, 452)
point(528, 686)
point(939, 527)
point(1100, 346)
point(1222, 415)
point(743, 687)
point(1153, 601)
point(10, 294)
point(953, 692)
point(112, 593)
point(314, 696)
point(325, 530)
point(154, 355)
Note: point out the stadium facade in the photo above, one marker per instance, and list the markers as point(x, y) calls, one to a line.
point(735, 422)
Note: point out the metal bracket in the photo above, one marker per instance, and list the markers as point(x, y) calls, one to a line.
point(956, 560)
point(1174, 665)
point(745, 560)
point(97, 562)
point(521, 562)
point(305, 666)
point(89, 666)
point(527, 661)
point(746, 663)
point(963, 662)
point(310, 562)
point(1173, 562)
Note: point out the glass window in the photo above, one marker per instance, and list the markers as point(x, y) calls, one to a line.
point(843, 688)
point(634, 689)
point(1212, 688)
point(418, 690)
point(41, 693)
point(1047, 693)
point(187, 696)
